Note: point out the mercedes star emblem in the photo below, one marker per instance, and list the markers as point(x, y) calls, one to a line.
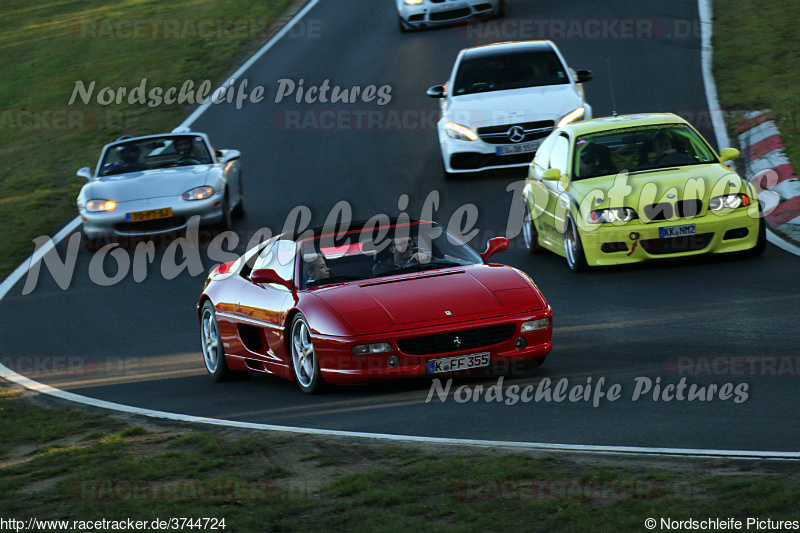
point(516, 134)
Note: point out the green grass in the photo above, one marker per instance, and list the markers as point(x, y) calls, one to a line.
point(58, 464)
point(757, 62)
point(45, 48)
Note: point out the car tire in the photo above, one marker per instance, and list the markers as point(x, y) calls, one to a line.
point(239, 211)
point(304, 364)
point(226, 222)
point(573, 248)
point(213, 349)
point(402, 25)
point(529, 233)
point(761, 243)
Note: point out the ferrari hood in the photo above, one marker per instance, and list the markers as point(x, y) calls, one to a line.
point(513, 106)
point(431, 298)
point(149, 183)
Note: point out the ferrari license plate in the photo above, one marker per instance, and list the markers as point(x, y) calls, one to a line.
point(677, 231)
point(140, 216)
point(452, 364)
point(522, 148)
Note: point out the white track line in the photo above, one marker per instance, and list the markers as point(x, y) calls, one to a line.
point(9, 375)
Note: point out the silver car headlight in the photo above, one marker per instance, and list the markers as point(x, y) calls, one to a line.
point(414, 2)
point(93, 206)
point(462, 133)
point(572, 116)
point(198, 193)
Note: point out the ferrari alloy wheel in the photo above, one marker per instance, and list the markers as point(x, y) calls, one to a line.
point(304, 357)
point(529, 233)
point(213, 352)
point(573, 248)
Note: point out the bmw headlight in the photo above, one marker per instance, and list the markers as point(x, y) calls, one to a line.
point(198, 193)
point(731, 201)
point(462, 133)
point(94, 206)
point(572, 116)
point(615, 214)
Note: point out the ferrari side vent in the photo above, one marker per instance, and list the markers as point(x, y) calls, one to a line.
point(456, 341)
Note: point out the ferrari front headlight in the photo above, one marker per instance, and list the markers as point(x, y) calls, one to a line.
point(93, 206)
point(366, 349)
point(198, 193)
point(462, 133)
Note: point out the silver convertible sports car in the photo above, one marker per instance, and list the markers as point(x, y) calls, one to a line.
point(417, 14)
point(154, 184)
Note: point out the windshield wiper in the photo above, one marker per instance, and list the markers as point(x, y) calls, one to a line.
point(332, 279)
point(431, 265)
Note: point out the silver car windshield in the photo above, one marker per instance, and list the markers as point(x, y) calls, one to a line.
point(155, 152)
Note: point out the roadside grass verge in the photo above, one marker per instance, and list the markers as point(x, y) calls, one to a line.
point(63, 463)
point(757, 62)
point(49, 45)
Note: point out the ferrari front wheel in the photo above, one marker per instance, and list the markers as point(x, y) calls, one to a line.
point(305, 363)
point(213, 352)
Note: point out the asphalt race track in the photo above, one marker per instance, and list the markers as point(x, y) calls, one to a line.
point(711, 321)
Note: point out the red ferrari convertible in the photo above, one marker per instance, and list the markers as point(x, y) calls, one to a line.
point(379, 301)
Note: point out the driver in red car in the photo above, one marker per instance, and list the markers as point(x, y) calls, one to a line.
point(317, 269)
point(403, 254)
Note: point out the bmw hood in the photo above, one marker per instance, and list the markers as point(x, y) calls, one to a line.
point(530, 104)
point(687, 182)
point(157, 183)
point(432, 298)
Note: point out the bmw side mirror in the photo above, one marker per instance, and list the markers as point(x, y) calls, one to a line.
point(86, 173)
point(552, 174)
point(496, 245)
point(437, 91)
point(728, 153)
point(582, 76)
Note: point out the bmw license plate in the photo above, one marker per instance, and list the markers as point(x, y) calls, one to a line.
point(452, 364)
point(522, 148)
point(667, 232)
point(153, 214)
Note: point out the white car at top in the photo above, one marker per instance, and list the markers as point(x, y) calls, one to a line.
point(502, 100)
point(418, 14)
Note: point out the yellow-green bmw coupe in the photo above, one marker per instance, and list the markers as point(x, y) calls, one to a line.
point(633, 188)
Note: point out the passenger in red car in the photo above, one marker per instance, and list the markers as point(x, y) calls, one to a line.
point(317, 269)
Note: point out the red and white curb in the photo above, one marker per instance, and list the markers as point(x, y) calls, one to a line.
point(770, 171)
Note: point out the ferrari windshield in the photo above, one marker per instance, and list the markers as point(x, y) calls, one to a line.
point(384, 251)
point(512, 70)
point(638, 149)
point(155, 152)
